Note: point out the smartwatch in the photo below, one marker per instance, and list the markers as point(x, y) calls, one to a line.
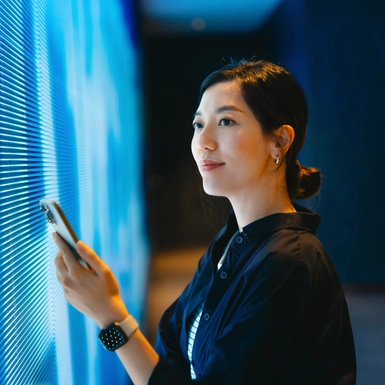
point(117, 334)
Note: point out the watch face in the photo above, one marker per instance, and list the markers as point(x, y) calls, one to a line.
point(112, 337)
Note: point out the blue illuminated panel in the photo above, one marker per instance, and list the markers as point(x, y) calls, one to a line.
point(70, 130)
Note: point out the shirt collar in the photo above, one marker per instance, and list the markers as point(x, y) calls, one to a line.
point(302, 219)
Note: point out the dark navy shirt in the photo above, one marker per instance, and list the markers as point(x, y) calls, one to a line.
point(275, 313)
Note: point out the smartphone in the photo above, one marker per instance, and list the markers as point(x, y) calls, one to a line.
point(56, 218)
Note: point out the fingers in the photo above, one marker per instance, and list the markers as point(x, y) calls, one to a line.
point(59, 263)
point(89, 256)
point(67, 254)
point(65, 278)
point(70, 261)
point(94, 291)
point(61, 268)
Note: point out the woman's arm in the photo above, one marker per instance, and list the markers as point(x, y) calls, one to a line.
point(95, 293)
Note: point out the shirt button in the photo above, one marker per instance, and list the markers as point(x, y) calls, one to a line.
point(239, 239)
point(206, 316)
point(223, 275)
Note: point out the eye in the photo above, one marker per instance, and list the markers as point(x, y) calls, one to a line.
point(226, 122)
point(197, 125)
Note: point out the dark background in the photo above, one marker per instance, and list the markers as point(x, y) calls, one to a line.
point(336, 50)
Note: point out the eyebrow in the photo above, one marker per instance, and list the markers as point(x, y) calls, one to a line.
point(221, 109)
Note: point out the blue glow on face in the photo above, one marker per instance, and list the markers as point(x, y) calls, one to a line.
point(211, 16)
point(70, 130)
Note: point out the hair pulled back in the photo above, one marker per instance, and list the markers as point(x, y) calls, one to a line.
point(276, 99)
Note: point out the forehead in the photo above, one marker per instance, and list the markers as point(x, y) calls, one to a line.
point(222, 94)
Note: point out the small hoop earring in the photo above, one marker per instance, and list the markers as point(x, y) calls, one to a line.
point(277, 159)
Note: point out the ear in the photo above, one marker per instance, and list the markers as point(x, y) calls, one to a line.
point(284, 137)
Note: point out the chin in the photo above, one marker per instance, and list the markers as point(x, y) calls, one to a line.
point(214, 191)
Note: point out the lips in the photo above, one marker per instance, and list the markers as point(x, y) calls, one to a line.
point(209, 165)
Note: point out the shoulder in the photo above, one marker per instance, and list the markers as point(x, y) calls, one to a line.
point(291, 246)
point(288, 252)
point(286, 238)
point(291, 251)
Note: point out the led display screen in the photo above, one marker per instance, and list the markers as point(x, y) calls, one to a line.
point(70, 130)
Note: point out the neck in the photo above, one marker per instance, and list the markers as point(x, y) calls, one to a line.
point(257, 205)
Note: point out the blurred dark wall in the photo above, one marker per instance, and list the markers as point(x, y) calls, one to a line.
point(341, 46)
point(337, 52)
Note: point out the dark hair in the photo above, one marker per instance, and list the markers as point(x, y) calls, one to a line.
point(276, 99)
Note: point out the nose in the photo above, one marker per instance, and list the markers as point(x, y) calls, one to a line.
point(205, 139)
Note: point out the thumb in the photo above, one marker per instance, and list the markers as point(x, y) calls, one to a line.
point(89, 256)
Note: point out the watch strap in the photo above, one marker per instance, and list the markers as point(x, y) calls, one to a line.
point(129, 326)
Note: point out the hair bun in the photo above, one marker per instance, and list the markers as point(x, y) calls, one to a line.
point(309, 179)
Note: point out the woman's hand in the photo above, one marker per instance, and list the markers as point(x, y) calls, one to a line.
point(95, 291)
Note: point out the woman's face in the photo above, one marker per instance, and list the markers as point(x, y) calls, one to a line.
point(232, 154)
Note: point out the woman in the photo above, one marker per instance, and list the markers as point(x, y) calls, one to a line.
point(265, 305)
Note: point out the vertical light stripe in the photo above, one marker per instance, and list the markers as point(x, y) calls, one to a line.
point(195, 319)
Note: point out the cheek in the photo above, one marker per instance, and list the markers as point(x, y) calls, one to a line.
point(250, 151)
point(194, 148)
point(240, 147)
